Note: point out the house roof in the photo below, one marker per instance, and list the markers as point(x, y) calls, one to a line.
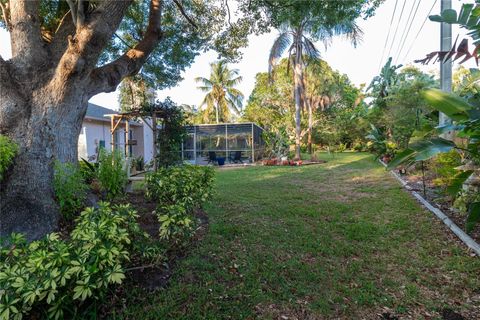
point(98, 112)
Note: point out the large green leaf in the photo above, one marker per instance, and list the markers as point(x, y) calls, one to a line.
point(458, 181)
point(473, 216)
point(401, 158)
point(427, 149)
point(454, 107)
point(465, 13)
point(448, 16)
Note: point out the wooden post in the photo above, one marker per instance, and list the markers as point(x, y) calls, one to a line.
point(112, 131)
point(127, 139)
point(253, 146)
point(154, 130)
point(127, 146)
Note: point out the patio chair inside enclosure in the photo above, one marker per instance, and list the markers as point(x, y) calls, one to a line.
point(234, 142)
point(212, 157)
point(237, 157)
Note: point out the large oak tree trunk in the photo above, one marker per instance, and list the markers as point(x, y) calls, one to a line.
point(27, 203)
point(44, 93)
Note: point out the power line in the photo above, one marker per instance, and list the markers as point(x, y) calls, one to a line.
point(396, 29)
point(388, 35)
point(408, 31)
point(406, 25)
point(420, 30)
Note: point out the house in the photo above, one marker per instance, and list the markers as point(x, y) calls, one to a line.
point(95, 134)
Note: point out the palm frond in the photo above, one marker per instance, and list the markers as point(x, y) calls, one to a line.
point(281, 43)
point(310, 48)
point(204, 81)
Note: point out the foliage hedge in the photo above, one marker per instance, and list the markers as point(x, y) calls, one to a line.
point(70, 188)
point(178, 191)
point(54, 276)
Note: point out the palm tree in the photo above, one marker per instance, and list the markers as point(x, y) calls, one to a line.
point(296, 39)
point(222, 98)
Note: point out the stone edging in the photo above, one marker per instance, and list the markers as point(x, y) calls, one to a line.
point(466, 239)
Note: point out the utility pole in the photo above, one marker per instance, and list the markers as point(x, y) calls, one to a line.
point(445, 67)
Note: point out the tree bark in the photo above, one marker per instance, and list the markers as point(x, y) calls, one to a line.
point(44, 135)
point(298, 83)
point(44, 93)
point(310, 125)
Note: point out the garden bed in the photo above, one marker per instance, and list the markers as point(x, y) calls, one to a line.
point(438, 198)
point(151, 277)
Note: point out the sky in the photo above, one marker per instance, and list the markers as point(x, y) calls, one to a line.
point(361, 64)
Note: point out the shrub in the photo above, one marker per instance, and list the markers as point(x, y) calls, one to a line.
point(175, 224)
point(70, 188)
point(178, 191)
point(54, 276)
point(187, 186)
point(88, 170)
point(111, 173)
point(444, 165)
point(8, 151)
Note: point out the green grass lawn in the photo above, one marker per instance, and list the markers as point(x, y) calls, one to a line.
point(337, 240)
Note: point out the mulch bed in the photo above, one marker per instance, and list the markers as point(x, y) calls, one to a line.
point(438, 198)
point(150, 277)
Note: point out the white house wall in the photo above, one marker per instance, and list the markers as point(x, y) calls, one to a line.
point(94, 131)
point(147, 142)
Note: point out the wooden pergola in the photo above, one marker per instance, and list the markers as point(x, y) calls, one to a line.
point(125, 117)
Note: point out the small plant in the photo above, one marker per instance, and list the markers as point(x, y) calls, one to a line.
point(188, 186)
point(138, 163)
point(55, 276)
point(178, 191)
point(175, 224)
point(8, 151)
point(111, 173)
point(88, 170)
point(444, 165)
point(70, 188)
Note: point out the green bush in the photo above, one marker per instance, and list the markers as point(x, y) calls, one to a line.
point(88, 170)
point(70, 188)
point(178, 191)
point(187, 186)
point(56, 276)
point(444, 165)
point(175, 223)
point(8, 151)
point(111, 173)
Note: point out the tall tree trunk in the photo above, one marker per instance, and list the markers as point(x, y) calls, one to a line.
point(298, 76)
point(44, 135)
point(310, 125)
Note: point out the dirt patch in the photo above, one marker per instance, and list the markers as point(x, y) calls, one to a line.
point(150, 277)
point(156, 277)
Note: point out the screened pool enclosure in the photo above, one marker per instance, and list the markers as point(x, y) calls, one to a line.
point(230, 142)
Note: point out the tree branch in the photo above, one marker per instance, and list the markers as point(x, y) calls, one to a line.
point(5, 8)
point(185, 15)
point(85, 44)
point(107, 77)
point(80, 13)
point(27, 45)
point(73, 11)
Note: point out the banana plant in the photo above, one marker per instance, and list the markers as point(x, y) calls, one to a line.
point(466, 124)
